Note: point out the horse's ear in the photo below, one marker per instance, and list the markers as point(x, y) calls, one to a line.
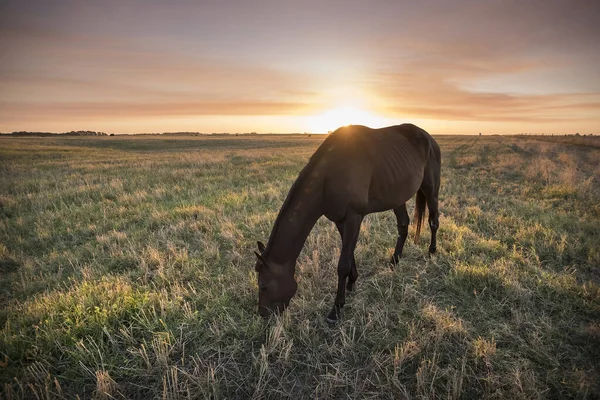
point(260, 258)
point(261, 246)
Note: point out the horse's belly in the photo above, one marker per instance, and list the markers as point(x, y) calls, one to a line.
point(391, 194)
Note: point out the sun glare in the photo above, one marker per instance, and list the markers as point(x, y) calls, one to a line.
point(341, 116)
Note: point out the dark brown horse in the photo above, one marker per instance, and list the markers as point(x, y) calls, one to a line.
point(356, 171)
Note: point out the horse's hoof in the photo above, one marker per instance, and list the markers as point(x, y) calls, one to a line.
point(333, 317)
point(432, 250)
point(351, 288)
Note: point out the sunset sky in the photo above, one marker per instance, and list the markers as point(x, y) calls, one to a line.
point(467, 66)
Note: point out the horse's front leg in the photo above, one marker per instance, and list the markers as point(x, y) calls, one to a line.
point(353, 270)
point(351, 228)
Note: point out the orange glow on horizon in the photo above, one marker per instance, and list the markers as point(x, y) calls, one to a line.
point(340, 116)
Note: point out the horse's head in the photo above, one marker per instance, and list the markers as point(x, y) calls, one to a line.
point(276, 286)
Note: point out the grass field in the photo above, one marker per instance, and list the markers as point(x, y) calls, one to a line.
point(126, 271)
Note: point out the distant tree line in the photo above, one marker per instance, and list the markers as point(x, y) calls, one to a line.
point(201, 133)
point(71, 133)
point(94, 133)
point(558, 134)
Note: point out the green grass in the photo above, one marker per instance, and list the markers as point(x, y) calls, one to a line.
point(126, 271)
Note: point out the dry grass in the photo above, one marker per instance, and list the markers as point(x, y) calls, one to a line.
point(126, 272)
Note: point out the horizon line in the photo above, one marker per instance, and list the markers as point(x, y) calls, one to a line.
point(192, 133)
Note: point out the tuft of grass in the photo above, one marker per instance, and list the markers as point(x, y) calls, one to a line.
point(126, 268)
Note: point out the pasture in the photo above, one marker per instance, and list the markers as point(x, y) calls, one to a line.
point(127, 271)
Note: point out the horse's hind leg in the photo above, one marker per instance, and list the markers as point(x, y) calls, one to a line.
point(434, 222)
point(402, 222)
point(353, 271)
point(430, 188)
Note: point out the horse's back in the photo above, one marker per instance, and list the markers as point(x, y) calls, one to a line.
point(352, 139)
point(374, 169)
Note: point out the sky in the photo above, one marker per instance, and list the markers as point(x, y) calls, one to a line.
point(457, 67)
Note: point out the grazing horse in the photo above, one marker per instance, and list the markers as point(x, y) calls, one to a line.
point(356, 171)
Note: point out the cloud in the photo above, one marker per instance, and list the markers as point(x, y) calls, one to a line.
point(87, 76)
point(77, 110)
point(434, 93)
point(502, 108)
point(485, 66)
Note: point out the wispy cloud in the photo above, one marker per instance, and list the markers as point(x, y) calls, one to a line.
point(426, 91)
point(497, 61)
point(65, 110)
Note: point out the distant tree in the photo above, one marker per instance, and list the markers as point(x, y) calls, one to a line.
point(25, 133)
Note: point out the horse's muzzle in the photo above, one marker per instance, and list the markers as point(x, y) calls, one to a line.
point(264, 312)
point(277, 308)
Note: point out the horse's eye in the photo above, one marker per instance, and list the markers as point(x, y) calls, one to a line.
point(262, 288)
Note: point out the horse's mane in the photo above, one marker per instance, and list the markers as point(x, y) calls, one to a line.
point(304, 173)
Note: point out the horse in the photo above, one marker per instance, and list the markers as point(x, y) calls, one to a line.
point(355, 171)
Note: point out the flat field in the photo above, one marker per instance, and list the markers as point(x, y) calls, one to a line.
point(126, 271)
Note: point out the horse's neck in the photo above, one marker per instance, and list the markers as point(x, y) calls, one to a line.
point(295, 221)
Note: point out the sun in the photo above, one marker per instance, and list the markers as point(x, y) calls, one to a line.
point(345, 115)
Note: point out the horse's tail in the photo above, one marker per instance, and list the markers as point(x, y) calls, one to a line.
point(419, 213)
